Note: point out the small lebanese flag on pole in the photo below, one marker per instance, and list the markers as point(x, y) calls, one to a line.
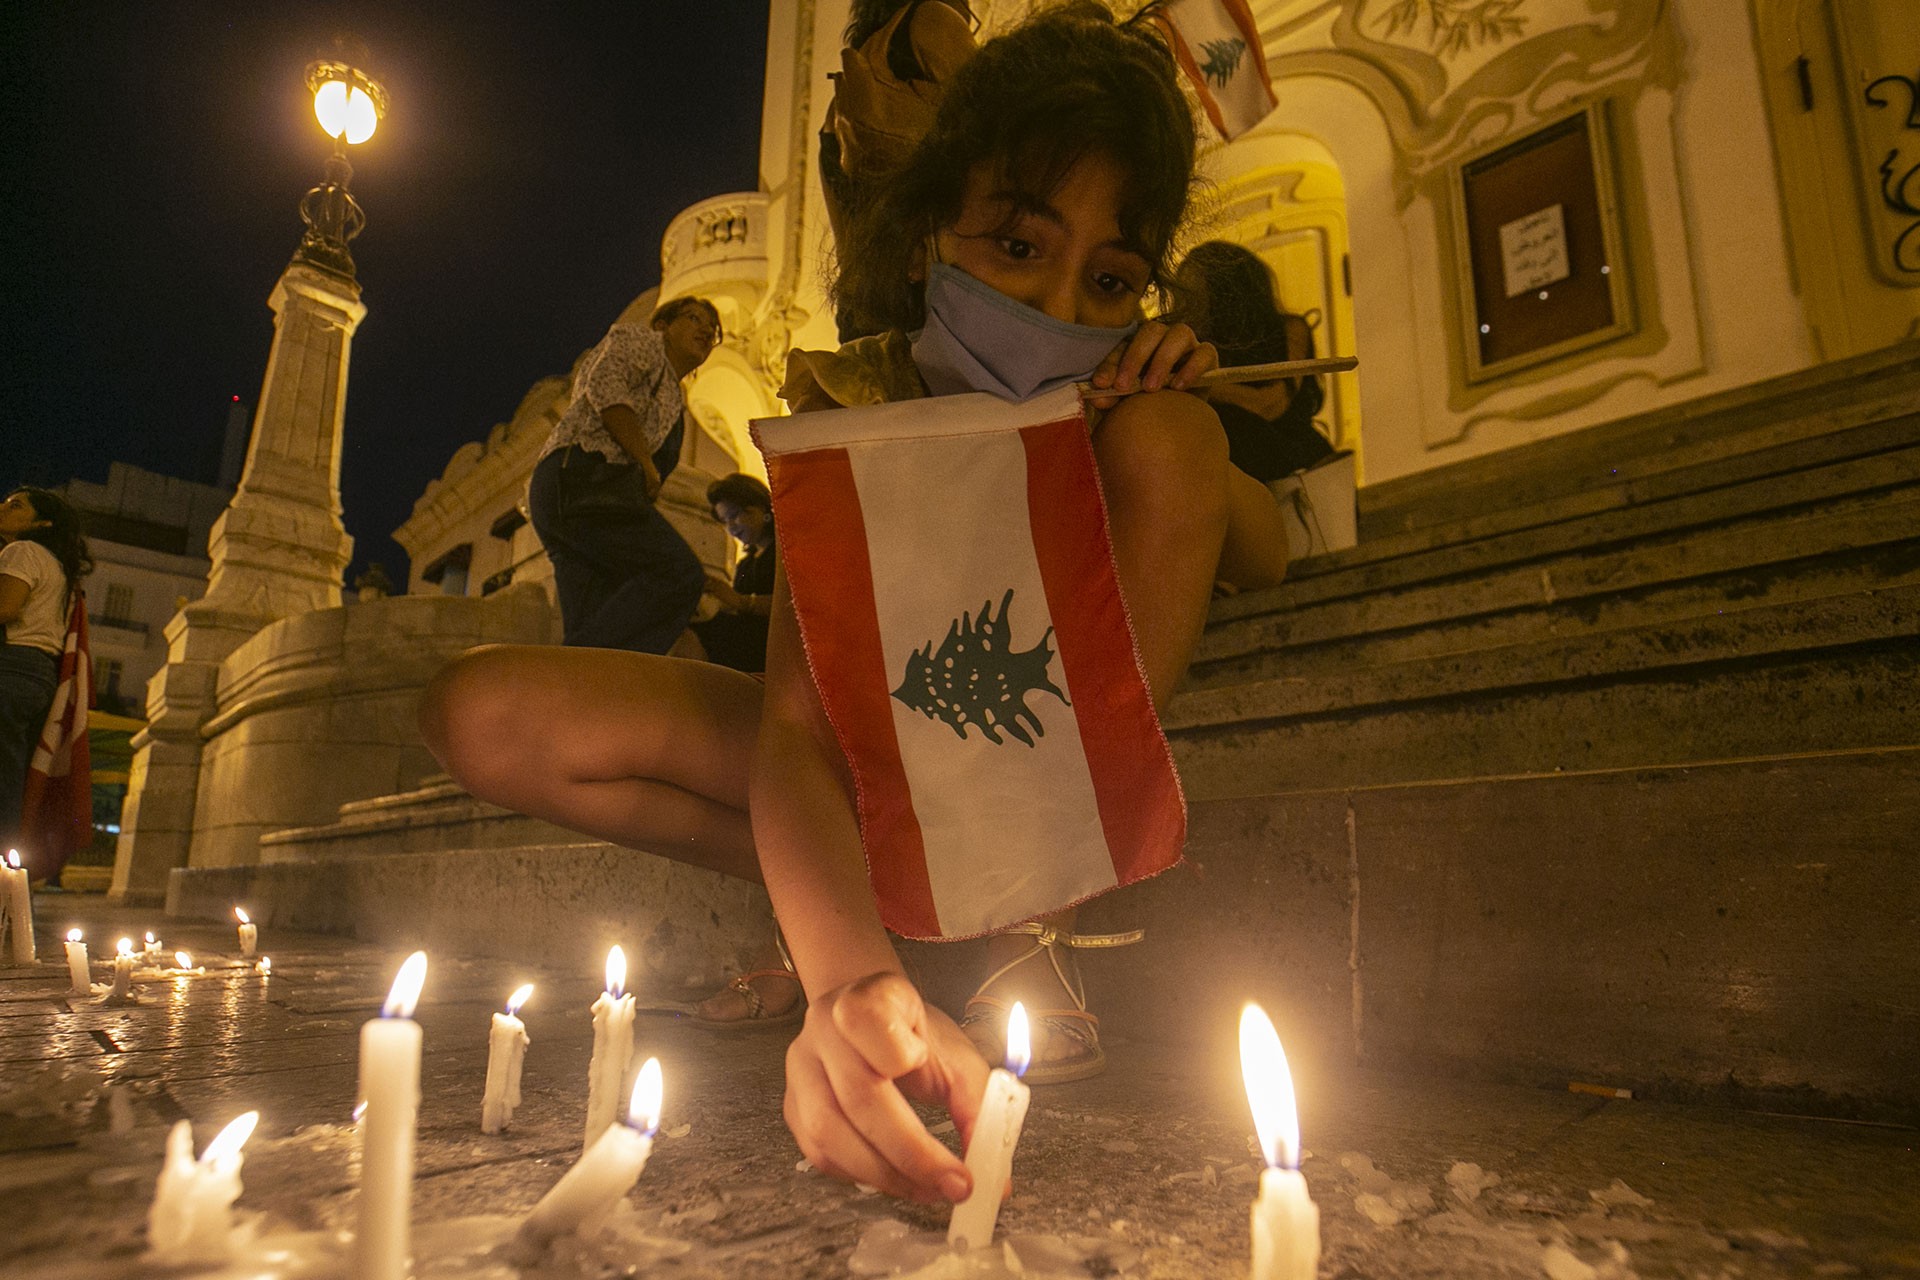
point(1217, 45)
point(949, 564)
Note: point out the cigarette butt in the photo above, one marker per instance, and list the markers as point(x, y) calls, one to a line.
point(1599, 1090)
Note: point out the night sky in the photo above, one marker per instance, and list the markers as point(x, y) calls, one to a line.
point(515, 194)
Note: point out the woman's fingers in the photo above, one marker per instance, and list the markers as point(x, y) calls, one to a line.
point(833, 1142)
point(843, 1104)
point(1156, 356)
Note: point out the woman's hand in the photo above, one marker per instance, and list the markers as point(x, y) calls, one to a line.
point(1156, 356)
point(866, 1048)
point(720, 589)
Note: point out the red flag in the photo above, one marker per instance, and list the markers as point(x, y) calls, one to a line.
point(1218, 47)
point(57, 810)
point(950, 567)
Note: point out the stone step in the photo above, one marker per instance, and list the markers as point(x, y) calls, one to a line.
point(1738, 930)
point(1892, 465)
point(440, 815)
point(561, 903)
point(1802, 406)
point(1828, 549)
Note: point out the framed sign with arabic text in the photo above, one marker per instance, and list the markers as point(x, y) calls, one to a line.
point(1540, 263)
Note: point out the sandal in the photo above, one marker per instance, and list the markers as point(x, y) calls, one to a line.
point(757, 1015)
point(985, 1017)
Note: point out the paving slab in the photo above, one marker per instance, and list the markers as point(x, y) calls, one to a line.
point(1145, 1172)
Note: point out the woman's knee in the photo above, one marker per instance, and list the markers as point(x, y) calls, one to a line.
point(469, 709)
point(1167, 443)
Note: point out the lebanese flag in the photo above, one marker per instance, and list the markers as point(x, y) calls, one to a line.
point(949, 563)
point(1217, 45)
point(56, 818)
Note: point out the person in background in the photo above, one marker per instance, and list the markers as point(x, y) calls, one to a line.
point(737, 635)
point(625, 578)
point(1227, 294)
point(43, 556)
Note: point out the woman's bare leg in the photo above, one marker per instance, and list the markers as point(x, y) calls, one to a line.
point(644, 751)
point(1164, 471)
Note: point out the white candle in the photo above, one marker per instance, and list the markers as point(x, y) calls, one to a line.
point(249, 932)
point(19, 908)
point(996, 1131)
point(77, 964)
point(601, 1178)
point(192, 1216)
point(390, 1087)
point(1286, 1222)
point(264, 966)
point(506, 1050)
point(153, 946)
point(612, 1048)
point(183, 964)
point(123, 963)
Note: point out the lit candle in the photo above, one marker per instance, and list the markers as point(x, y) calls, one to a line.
point(390, 1087)
point(249, 933)
point(19, 908)
point(1286, 1223)
point(123, 963)
point(506, 1050)
point(584, 1196)
point(612, 1048)
point(192, 1216)
point(153, 946)
point(264, 967)
point(996, 1131)
point(77, 964)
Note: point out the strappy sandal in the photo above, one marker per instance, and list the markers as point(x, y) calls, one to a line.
point(985, 1017)
point(757, 1015)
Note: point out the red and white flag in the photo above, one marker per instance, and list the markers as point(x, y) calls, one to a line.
point(57, 809)
point(949, 563)
point(1217, 45)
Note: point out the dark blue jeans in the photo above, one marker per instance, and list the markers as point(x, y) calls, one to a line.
point(27, 679)
point(626, 579)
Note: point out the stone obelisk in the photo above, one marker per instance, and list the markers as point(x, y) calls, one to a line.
point(279, 549)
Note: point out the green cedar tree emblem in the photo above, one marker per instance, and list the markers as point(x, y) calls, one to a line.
point(976, 678)
point(1223, 59)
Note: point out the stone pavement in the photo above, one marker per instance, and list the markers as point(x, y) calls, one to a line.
point(1145, 1172)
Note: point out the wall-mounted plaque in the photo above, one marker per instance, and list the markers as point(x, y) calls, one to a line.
point(1541, 270)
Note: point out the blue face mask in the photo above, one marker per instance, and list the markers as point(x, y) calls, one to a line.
point(978, 339)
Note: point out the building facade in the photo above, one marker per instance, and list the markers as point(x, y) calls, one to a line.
point(148, 535)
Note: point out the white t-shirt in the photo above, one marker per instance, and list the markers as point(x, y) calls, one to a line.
point(43, 619)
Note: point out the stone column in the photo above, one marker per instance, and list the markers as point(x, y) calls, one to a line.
point(279, 549)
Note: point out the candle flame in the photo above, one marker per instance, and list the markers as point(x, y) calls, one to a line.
point(13, 859)
point(240, 914)
point(265, 965)
point(1263, 1065)
point(1019, 1041)
point(643, 1113)
point(126, 947)
point(359, 1111)
point(73, 935)
point(151, 940)
point(184, 959)
point(519, 997)
point(406, 987)
point(616, 973)
point(231, 1138)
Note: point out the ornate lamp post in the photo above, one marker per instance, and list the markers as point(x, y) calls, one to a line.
point(280, 548)
point(349, 105)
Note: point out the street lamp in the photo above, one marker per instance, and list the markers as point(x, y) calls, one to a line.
point(349, 104)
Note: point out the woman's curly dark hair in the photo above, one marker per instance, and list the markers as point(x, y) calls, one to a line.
point(1068, 83)
point(64, 535)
